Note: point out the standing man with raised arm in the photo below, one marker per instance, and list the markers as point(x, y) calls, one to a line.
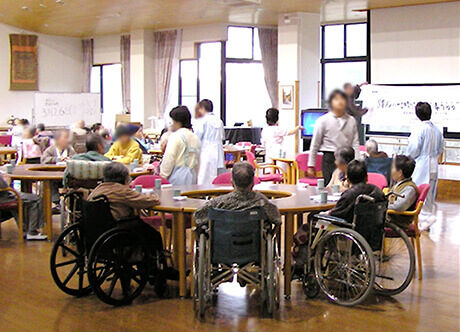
point(333, 131)
point(354, 110)
point(210, 130)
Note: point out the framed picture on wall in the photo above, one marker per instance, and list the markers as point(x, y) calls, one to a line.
point(287, 97)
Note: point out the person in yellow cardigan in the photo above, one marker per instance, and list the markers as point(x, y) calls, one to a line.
point(125, 150)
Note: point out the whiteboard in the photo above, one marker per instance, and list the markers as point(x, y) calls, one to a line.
point(64, 109)
point(392, 108)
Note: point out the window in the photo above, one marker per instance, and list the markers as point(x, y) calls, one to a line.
point(344, 56)
point(188, 84)
point(210, 74)
point(106, 80)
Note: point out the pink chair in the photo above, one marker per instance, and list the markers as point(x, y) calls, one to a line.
point(5, 140)
point(279, 177)
point(362, 148)
point(302, 165)
point(226, 179)
point(148, 181)
point(413, 231)
point(377, 179)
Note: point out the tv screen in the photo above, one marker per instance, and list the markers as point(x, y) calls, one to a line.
point(308, 120)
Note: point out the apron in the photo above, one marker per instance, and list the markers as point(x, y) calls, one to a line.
point(185, 175)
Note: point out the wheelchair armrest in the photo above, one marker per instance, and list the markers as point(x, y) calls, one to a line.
point(126, 219)
point(333, 220)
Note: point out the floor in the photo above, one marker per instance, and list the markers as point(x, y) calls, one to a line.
point(30, 300)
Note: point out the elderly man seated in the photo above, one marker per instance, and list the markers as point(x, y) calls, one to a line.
point(124, 203)
point(372, 149)
point(242, 198)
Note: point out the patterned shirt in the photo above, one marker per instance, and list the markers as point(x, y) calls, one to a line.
point(238, 200)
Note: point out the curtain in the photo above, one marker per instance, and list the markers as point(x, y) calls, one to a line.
point(87, 49)
point(166, 53)
point(125, 56)
point(269, 49)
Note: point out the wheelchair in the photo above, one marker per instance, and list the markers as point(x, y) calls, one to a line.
point(241, 244)
point(349, 261)
point(97, 255)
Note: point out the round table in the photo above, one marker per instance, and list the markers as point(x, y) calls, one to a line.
point(291, 172)
point(291, 200)
point(7, 150)
point(45, 173)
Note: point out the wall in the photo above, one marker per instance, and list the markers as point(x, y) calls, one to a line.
point(416, 44)
point(59, 70)
point(106, 49)
point(200, 34)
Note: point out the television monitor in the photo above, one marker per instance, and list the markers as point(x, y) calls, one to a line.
point(308, 119)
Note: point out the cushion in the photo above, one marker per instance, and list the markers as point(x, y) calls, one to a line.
point(409, 231)
point(271, 177)
point(86, 170)
point(310, 181)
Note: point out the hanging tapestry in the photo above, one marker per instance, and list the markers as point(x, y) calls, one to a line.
point(24, 62)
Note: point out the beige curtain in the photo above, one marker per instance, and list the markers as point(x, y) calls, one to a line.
point(87, 49)
point(166, 53)
point(269, 49)
point(125, 56)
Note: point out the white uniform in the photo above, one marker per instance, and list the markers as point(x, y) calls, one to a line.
point(210, 130)
point(425, 145)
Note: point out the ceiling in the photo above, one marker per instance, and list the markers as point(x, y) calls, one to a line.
point(81, 18)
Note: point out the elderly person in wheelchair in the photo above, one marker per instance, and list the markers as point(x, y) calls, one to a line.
point(237, 236)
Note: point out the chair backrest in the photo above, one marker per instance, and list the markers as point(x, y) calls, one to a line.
point(362, 148)
point(244, 144)
point(236, 236)
point(370, 218)
point(85, 170)
point(148, 181)
point(226, 179)
point(251, 158)
point(423, 191)
point(377, 179)
point(6, 140)
point(302, 161)
point(79, 143)
point(379, 165)
point(97, 219)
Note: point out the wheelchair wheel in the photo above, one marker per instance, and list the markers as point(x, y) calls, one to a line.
point(118, 267)
point(345, 267)
point(272, 283)
point(310, 286)
point(68, 262)
point(201, 276)
point(395, 264)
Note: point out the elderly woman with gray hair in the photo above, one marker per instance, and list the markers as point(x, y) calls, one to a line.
point(372, 149)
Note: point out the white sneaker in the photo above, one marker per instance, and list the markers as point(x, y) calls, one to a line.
point(425, 225)
point(36, 237)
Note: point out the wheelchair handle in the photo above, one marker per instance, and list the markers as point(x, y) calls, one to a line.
point(365, 197)
point(394, 194)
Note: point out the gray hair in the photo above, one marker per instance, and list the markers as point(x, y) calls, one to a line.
point(372, 146)
point(243, 175)
point(116, 172)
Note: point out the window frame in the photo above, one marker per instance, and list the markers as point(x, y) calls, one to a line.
point(364, 58)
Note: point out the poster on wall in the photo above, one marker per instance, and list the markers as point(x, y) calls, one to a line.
point(24, 62)
point(287, 97)
point(392, 108)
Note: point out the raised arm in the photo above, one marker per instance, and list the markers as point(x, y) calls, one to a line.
point(316, 141)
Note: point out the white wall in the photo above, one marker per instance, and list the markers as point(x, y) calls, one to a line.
point(416, 44)
point(200, 34)
point(59, 70)
point(106, 49)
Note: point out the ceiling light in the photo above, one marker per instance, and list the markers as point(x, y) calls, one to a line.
point(60, 2)
point(25, 8)
point(46, 25)
point(43, 5)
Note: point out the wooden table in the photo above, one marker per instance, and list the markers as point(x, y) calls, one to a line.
point(291, 172)
point(7, 150)
point(45, 174)
point(291, 200)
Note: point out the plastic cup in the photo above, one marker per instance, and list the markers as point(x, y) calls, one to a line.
point(157, 183)
point(323, 197)
point(336, 189)
point(320, 183)
point(13, 162)
point(176, 193)
point(132, 166)
point(138, 188)
point(9, 168)
point(136, 163)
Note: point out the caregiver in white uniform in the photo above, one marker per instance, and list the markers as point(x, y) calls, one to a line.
point(426, 144)
point(210, 130)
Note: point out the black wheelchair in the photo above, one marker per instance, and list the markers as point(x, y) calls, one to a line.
point(97, 254)
point(349, 261)
point(241, 244)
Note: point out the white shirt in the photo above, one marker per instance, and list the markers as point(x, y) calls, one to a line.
point(333, 133)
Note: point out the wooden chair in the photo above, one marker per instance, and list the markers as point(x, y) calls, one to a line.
point(13, 205)
point(279, 176)
point(413, 232)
